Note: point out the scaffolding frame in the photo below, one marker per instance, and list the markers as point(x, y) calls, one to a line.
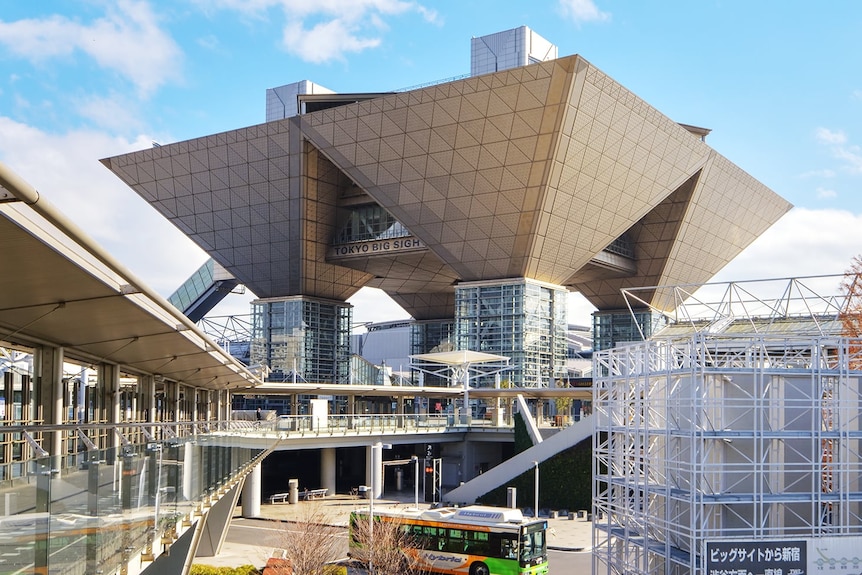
point(711, 431)
point(715, 437)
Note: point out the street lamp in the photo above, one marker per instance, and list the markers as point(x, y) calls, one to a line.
point(415, 460)
point(536, 495)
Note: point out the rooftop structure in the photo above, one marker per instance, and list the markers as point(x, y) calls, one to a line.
point(509, 49)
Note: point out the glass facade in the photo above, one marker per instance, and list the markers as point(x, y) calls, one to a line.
point(520, 319)
point(193, 287)
point(301, 337)
point(119, 506)
point(431, 337)
point(370, 222)
point(613, 327)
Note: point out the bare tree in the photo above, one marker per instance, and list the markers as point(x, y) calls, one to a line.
point(310, 544)
point(385, 546)
point(851, 314)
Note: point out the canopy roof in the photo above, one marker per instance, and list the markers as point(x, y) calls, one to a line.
point(59, 288)
point(463, 357)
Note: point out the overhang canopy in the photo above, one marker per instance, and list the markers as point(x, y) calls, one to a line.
point(59, 288)
point(464, 357)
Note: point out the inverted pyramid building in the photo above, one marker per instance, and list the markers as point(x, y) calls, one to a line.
point(551, 172)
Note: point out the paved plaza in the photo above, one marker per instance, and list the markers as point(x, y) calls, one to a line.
point(564, 533)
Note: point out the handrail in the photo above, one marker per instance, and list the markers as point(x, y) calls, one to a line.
point(140, 482)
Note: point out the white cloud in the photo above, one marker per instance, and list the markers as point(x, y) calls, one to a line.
point(583, 11)
point(804, 242)
point(851, 155)
point(127, 40)
point(826, 194)
point(326, 30)
point(824, 173)
point(325, 41)
point(112, 112)
point(827, 136)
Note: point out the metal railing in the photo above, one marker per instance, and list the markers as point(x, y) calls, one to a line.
point(294, 426)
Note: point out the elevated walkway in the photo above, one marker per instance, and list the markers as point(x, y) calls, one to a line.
point(291, 432)
point(521, 463)
point(203, 290)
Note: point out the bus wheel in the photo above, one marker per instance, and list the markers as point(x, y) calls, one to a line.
point(479, 569)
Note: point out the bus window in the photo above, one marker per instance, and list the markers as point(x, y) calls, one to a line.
point(456, 543)
point(533, 545)
point(478, 543)
point(433, 539)
point(509, 549)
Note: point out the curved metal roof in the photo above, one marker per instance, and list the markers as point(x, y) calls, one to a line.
point(59, 288)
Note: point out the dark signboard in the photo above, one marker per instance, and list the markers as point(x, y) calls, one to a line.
point(756, 557)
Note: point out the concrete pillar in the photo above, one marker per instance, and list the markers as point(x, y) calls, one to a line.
point(109, 384)
point(223, 408)
point(148, 382)
point(375, 463)
point(327, 469)
point(195, 400)
point(251, 493)
point(178, 390)
point(218, 416)
point(189, 476)
point(110, 379)
point(49, 371)
point(351, 410)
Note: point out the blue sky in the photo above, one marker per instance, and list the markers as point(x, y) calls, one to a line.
point(779, 83)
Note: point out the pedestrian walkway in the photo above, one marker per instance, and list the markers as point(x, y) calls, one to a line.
point(563, 533)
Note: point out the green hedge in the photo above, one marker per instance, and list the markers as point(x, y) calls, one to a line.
point(209, 570)
point(565, 480)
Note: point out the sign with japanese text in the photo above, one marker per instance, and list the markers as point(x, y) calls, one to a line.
point(757, 557)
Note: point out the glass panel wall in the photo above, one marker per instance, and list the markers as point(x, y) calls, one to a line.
point(431, 337)
point(117, 502)
point(613, 327)
point(302, 338)
point(520, 319)
point(367, 223)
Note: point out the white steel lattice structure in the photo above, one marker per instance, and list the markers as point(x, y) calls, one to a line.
point(754, 435)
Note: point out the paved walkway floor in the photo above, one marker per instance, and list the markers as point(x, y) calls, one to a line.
point(564, 533)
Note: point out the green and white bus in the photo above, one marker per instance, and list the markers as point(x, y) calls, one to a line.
point(474, 540)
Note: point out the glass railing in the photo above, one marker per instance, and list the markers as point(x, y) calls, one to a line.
point(290, 426)
point(96, 510)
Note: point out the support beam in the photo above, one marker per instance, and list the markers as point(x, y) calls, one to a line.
point(48, 364)
point(218, 520)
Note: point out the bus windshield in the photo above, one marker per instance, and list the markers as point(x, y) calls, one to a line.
point(534, 547)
